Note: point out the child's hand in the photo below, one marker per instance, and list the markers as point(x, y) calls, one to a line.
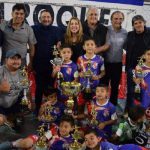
point(2, 119)
point(56, 68)
point(81, 74)
point(95, 77)
point(137, 80)
point(101, 125)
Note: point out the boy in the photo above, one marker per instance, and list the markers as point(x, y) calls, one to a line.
point(93, 142)
point(68, 69)
point(52, 107)
point(105, 112)
point(144, 68)
point(94, 64)
point(58, 139)
point(132, 129)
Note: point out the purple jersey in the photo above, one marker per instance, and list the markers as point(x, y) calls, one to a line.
point(97, 64)
point(68, 70)
point(110, 146)
point(104, 113)
point(61, 143)
point(146, 87)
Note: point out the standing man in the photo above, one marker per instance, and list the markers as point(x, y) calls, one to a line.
point(47, 36)
point(138, 41)
point(93, 28)
point(17, 34)
point(116, 37)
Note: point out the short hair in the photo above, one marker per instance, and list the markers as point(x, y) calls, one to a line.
point(103, 86)
point(91, 130)
point(88, 38)
point(65, 46)
point(19, 7)
point(116, 12)
point(68, 118)
point(90, 8)
point(136, 112)
point(138, 17)
point(49, 91)
point(45, 10)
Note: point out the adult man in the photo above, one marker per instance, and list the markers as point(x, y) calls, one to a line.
point(10, 84)
point(138, 41)
point(116, 37)
point(17, 34)
point(92, 27)
point(47, 36)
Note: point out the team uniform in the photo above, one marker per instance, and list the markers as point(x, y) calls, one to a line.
point(96, 66)
point(105, 112)
point(109, 146)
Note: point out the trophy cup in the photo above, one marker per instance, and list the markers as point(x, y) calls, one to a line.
point(139, 74)
point(70, 89)
point(41, 143)
point(93, 121)
point(25, 85)
point(57, 61)
point(88, 75)
point(76, 145)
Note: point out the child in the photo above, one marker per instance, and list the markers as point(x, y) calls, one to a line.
point(58, 139)
point(51, 107)
point(105, 112)
point(68, 69)
point(144, 68)
point(132, 129)
point(93, 142)
point(91, 63)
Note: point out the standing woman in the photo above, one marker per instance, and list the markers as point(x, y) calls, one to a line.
point(74, 37)
point(116, 37)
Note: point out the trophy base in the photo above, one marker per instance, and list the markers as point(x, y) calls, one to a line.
point(40, 148)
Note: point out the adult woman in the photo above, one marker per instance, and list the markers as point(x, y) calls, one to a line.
point(74, 37)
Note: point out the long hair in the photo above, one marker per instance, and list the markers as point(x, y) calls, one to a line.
point(68, 35)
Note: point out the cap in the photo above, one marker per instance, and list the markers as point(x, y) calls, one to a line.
point(138, 17)
point(12, 53)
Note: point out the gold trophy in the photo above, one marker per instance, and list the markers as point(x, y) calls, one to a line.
point(57, 61)
point(25, 85)
point(41, 143)
point(88, 75)
point(93, 121)
point(76, 145)
point(139, 74)
point(70, 89)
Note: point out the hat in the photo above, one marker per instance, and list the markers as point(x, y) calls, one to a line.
point(138, 17)
point(12, 53)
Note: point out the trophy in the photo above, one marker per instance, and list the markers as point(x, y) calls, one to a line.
point(57, 61)
point(93, 121)
point(25, 85)
point(139, 74)
point(88, 75)
point(70, 89)
point(75, 145)
point(41, 143)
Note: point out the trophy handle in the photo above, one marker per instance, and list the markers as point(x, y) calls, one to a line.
point(51, 61)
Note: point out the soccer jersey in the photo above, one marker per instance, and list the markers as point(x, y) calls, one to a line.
point(110, 146)
point(105, 112)
point(69, 71)
point(96, 66)
point(61, 143)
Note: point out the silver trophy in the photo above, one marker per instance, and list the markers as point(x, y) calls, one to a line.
point(57, 61)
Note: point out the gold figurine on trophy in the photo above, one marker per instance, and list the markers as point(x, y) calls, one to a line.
point(41, 143)
point(76, 136)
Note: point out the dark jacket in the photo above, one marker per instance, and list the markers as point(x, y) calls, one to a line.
point(1, 38)
point(131, 61)
point(99, 33)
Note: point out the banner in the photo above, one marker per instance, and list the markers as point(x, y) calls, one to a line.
point(129, 2)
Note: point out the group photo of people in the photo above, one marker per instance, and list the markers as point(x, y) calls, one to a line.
point(64, 96)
